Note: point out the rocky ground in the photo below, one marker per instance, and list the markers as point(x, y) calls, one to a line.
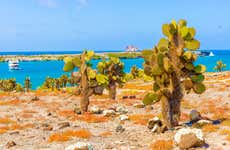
point(49, 120)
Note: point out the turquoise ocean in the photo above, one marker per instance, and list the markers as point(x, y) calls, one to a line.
point(39, 70)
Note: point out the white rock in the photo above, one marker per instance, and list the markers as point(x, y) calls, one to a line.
point(108, 113)
point(123, 117)
point(79, 146)
point(183, 131)
point(155, 128)
point(187, 138)
point(204, 122)
point(139, 105)
point(95, 110)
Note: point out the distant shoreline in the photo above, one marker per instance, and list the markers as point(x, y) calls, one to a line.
point(51, 57)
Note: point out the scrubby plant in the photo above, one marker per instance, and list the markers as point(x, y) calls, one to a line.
point(74, 79)
point(220, 66)
point(90, 81)
point(170, 64)
point(63, 81)
point(19, 88)
point(135, 71)
point(113, 68)
point(49, 83)
point(27, 84)
point(8, 85)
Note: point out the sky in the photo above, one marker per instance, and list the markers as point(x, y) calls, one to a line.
point(42, 25)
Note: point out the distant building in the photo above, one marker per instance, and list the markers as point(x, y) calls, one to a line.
point(131, 48)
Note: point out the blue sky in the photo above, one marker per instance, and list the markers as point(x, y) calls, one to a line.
point(38, 25)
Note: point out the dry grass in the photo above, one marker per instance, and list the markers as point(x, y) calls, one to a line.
point(67, 135)
point(225, 132)
point(6, 121)
point(66, 113)
point(210, 128)
point(226, 123)
point(11, 102)
point(90, 118)
point(105, 134)
point(138, 86)
point(162, 145)
point(141, 119)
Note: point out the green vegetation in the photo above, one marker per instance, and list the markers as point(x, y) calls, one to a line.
point(9, 85)
point(27, 84)
point(220, 66)
point(113, 69)
point(125, 55)
point(91, 82)
point(170, 64)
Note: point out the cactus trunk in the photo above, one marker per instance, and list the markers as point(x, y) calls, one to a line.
point(112, 91)
point(171, 104)
point(84, 103)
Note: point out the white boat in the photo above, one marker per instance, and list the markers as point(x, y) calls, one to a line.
point(13, 65)
point(211, 54)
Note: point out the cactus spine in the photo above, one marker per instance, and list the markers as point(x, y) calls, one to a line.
point(170, 63)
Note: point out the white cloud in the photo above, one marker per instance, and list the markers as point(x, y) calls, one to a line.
point(48, 3)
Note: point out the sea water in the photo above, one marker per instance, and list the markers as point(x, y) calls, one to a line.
point(39, 70)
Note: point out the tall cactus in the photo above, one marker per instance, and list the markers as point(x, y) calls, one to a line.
point(90, 81)
point(220, 66)
point(27, 84)
point(170, 63)
point(114, 70)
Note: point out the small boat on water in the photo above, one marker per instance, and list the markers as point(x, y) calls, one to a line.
point(204, 53)
point(13, 65)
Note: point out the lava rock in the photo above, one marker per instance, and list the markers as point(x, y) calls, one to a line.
point(77, 110)
point(121, 110)
point(10, 144)
point(120, 128)
point(63, 125)
point(195, 116)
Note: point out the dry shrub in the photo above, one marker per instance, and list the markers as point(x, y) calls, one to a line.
point(105, 134)
point(90, 118)
point(225, 132)
point(57, 137)
point(226, 123)
point(138, 86)
point(66, 113)
point(210, 128)
point(67, 135)
point(2, 131)
point(6, 121)
point(162, 145)
point(141, 119)
point(11, 102)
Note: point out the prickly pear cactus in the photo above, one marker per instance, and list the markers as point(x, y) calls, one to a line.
point(90, 81)
point(114, 70)
point(27, 84)
point(170, 64)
